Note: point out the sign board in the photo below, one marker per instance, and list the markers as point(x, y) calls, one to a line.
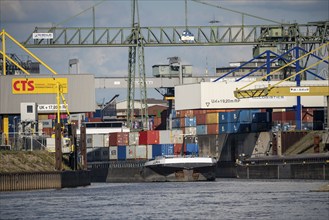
point(50, 108)
point(40, 36)
point(299, 89)
point(38, 85)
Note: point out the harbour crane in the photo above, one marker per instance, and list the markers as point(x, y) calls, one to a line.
point(136, 38)
point(275, 89)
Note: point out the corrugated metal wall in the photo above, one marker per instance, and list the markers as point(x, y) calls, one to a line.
point(80, 96)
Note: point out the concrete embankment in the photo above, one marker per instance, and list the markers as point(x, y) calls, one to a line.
point(324, 188)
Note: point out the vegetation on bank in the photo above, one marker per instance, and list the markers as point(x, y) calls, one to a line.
point(27, 161)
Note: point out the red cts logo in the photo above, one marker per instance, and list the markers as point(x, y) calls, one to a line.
point(23, 85)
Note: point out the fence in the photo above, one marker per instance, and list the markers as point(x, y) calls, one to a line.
point(20, 141)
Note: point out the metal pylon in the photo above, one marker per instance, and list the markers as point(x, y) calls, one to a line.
point(136, 53)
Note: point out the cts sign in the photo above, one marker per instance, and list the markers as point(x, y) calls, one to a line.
point(38, 85)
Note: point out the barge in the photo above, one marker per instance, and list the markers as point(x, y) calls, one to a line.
point(180, 169)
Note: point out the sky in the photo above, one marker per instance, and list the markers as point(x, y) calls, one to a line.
point(20, 17)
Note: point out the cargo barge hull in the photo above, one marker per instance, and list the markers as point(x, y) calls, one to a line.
point(179, 170)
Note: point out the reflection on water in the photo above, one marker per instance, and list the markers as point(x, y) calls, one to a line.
point(223, 199)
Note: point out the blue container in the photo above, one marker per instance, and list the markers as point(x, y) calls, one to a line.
point(223, 128)
point(260, 117)
point(190, 122)
point(167, 149)
point(223, 117)
point(122, 153)
point(201, 129)
point(192, 149)
point(232, 128)
point(232, 116)
point(162, 150)
point(156, 150)
point(176, 123)
point(244, 116)
point(97, 113)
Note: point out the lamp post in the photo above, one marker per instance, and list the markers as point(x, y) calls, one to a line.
point(15, 133)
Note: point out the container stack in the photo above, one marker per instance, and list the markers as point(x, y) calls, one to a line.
point(144, 144)
point(171, 142)
point(118, 142)
point(97, 147)
point(208, 122)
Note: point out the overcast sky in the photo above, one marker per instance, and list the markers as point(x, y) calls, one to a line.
point(20, 17)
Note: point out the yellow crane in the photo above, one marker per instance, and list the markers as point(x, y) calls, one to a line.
point(59, 90)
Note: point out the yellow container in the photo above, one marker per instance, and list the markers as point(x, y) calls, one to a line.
point(212, 118)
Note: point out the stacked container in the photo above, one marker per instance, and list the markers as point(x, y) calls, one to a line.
point(169, 142)
point(149, 137)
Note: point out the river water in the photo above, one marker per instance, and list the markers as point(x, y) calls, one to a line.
point(222, 199)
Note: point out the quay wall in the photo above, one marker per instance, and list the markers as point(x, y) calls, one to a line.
point(318, 171)
point(43, 180)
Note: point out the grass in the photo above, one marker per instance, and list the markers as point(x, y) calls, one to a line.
point(27, 161)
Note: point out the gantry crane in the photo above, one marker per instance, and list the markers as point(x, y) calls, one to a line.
point(276, 88)
point(136, 38)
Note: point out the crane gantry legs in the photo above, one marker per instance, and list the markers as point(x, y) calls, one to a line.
point(136, 53)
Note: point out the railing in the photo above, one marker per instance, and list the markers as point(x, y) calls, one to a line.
point(21, 141)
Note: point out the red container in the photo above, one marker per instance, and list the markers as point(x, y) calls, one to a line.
point(94, 119)
point(213, 129)
point(215, 110)
point(47, 131)
point(53, 116)
point(149, 137)
point(283, 117)
point(184, 113)
point(201, 119)
point(177, 149)
point(119, 139)
point(199, 111)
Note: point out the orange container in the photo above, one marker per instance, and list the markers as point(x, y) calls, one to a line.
point(213, 129)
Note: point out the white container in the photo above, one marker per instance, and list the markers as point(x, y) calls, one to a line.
point(190, 131)
point(177, 136)
point(98, 140)
point(106, 140)
point(165, 137)
point(149, 151)
point(130, 152)
point(113, 153)
point(133, 138)
point(141, 151)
